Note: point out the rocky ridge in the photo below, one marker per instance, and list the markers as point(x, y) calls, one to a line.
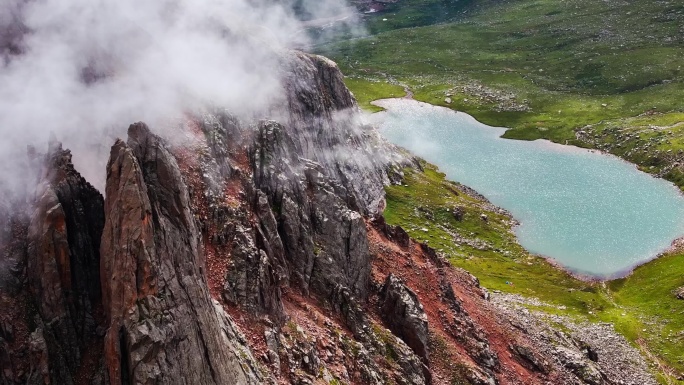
point(595, 353)
point(163, 326)
point(254, 253)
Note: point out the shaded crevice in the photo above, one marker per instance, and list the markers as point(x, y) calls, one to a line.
point(124, 358)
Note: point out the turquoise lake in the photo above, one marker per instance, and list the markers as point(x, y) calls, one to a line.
point(593, 213)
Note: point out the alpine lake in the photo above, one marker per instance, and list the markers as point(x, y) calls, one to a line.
point(594, 214)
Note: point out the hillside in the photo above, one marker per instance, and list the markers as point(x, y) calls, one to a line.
point(605, 74)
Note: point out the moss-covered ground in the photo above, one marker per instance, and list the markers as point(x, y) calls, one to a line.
point(449, 218)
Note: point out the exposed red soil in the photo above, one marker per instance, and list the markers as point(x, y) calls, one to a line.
point(315, 323)
point(189, 163)
point(253, 329)
point(307, 321)
point(422, 273)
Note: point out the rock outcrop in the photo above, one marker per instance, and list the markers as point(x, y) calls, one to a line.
point(679, 293)
point(59, 273)
point(404, 314)
point(163, 326)
point(324, 126)
point(324, 239)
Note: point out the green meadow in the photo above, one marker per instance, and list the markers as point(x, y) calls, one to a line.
point(543, 68)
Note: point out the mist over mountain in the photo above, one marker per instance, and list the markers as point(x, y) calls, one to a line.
point(82, 70)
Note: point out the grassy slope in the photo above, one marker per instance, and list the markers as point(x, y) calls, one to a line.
point(427, 201)
point(640, 306)
point(367, 91)
point(570, 64)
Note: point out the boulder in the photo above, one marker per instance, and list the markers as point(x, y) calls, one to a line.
point(679, 293)
point(404, 315)
point(458, 213)
point(529, 358)
point(395, 234)
point(584, 369)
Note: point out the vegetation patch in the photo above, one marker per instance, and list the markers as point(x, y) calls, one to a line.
point(367, 90)
point(654, 141)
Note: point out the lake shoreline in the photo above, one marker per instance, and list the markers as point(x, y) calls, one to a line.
point(676, 245)
point(541, 140)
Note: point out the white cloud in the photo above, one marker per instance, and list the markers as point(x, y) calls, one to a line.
point(88, 68)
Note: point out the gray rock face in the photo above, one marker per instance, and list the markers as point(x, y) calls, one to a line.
point(250, 280)
point(324, 240)
point(309, 181)
point(163, 326)
point(404, 315)
point(679, 293)
point(323, 126)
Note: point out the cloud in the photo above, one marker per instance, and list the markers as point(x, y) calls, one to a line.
point(85, 69)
